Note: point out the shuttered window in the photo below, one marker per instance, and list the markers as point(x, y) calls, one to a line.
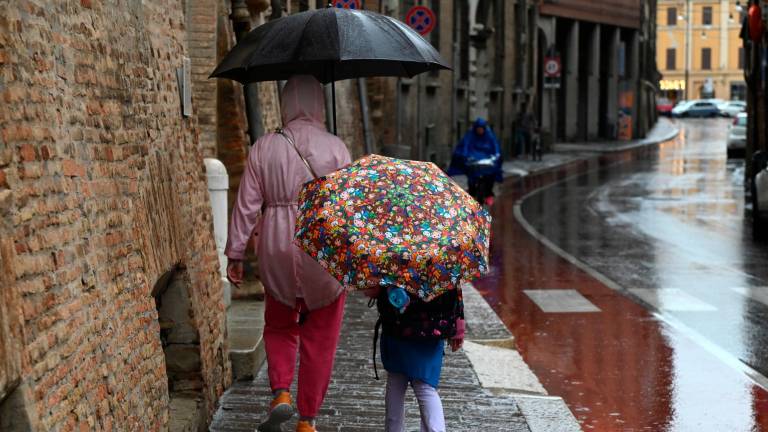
point(706, 58)
point(671, 16)
point(671, 57)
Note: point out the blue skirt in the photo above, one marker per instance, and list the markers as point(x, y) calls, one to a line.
point(418, 360)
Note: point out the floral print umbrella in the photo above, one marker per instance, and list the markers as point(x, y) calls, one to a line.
point(384, 221)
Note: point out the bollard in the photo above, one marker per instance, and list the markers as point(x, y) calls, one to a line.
point(218, 185)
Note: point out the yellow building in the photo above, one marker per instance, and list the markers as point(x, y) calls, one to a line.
point(698, 48)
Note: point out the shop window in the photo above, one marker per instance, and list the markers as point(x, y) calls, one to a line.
point(738, 91)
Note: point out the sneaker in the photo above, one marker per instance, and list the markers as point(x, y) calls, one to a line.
point(305, 426)
point(280, 411)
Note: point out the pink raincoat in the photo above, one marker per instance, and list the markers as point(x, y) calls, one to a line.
point(271, 183)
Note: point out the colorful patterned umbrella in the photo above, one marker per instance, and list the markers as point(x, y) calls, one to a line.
point(385, 221)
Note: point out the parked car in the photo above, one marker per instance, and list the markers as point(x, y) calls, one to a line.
point(664, 106)
point(732, 108)
point(760, 195)
point(737, 135)
point(695, 108)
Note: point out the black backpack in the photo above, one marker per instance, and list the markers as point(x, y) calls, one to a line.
point(421, 320)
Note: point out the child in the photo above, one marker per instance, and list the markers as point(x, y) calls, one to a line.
point(411, 356)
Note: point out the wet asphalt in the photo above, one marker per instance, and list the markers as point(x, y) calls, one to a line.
point(670, 330)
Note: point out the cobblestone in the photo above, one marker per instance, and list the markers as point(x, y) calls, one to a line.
point(355, 400)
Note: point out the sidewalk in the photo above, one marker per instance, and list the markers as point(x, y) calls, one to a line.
point(485, 386)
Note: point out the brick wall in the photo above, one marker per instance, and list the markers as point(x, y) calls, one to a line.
point(201, 24)
point(102, 188)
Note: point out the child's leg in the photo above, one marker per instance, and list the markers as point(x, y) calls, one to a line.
point(431, 407)
point(394, 404)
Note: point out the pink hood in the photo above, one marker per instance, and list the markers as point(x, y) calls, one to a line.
point(303, 99)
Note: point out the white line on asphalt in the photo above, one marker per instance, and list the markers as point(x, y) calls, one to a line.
point(672, 299)
point(561, 301)
point(759, 294)
point(696, 337)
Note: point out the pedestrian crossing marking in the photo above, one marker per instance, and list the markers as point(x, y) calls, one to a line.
point(672, 299)
point(561, 301)
point(759, 294)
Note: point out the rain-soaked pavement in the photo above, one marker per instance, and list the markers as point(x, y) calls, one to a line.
point(654, 316)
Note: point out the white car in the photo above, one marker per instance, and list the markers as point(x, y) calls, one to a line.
point(695, 108)
point(737, 134)
point(732, 108)
point(760, 195)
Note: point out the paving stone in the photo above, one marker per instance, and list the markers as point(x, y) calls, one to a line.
point(355, 400)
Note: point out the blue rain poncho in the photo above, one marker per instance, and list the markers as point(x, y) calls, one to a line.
point(477, 155)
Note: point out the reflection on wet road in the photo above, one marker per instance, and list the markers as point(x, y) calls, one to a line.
point(684, 346)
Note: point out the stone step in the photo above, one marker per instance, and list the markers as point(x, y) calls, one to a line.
point(245, 325)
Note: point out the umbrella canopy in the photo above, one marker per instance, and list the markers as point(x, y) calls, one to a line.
point(332, 44)
point(384, 221)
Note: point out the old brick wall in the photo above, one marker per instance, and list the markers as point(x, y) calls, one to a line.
point(201, 24)
point(107, 193)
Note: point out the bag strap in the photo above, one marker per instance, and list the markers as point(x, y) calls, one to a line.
point(293, 144)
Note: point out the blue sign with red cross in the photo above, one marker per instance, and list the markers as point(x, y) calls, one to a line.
point(421, 19)
point(347, 4)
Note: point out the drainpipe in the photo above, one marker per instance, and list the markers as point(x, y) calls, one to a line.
point(362, 92)
point(241, 23)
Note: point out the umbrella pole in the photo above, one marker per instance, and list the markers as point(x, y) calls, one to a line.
point(333, 104)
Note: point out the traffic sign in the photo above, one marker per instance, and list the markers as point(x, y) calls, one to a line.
point(347, 4)
point(421, 19)
point(552, 67)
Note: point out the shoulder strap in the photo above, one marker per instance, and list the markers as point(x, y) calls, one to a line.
point(293, 144)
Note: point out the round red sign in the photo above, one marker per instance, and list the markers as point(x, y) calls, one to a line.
point(421, 19)
point(347, 4)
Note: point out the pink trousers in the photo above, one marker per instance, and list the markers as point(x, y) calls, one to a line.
point(315, 339)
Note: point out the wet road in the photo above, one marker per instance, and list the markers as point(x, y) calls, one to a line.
point(657, 317)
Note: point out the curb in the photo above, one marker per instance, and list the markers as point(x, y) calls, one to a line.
point(501, 370)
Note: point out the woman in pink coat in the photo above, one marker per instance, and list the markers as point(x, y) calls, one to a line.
point(304, 304)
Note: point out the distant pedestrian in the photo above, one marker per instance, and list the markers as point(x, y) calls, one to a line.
point(478, 156)
point(526, 129)
point(304, 304)
point(412, 349)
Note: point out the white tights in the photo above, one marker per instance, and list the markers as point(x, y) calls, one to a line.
point(430, 405)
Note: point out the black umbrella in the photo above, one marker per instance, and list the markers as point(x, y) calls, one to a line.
point(332, 44)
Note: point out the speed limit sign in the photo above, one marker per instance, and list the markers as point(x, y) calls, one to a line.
point(552, 67)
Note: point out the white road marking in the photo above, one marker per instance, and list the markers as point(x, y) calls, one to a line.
point(672, 299)
point(561, 301)
point(759, 294)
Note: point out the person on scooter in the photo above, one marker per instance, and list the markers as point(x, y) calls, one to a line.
point(478, 156)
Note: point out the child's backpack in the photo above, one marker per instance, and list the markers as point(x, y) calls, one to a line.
point(420, 320)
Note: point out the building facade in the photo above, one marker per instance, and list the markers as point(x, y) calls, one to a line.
point(605, 84)
point(700, 52)
point(491, 46)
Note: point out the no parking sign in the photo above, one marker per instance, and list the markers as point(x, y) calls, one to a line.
point(421, 19)
point(347, 4)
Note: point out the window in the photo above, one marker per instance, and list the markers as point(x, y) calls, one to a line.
point(671, 16)
point(706, 15)
point(741, 57)
point(706, 58)
point(671, 57)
